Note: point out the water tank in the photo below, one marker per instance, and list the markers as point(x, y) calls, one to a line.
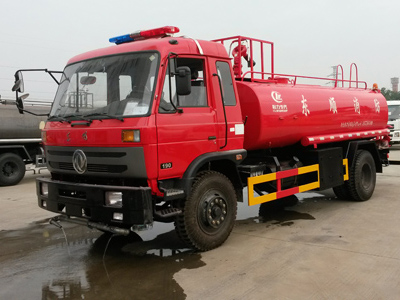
point(280, 115)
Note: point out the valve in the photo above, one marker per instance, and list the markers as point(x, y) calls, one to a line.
point(238, 52)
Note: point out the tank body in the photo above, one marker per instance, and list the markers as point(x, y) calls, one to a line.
point(14, 125)
point(280, 115)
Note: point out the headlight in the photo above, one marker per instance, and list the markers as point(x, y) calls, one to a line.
point(114, 199)
point(44, 189)
point(118, 216)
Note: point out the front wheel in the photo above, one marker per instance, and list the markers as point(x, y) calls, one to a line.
point(209, 212)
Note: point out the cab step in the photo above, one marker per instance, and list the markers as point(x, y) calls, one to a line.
point(173, 194)
point(167, 212)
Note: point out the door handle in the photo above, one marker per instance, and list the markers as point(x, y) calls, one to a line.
point(210, 138)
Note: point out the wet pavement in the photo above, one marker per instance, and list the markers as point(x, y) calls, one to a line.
point(37, 263)
point(44, 262)
point(312, 247)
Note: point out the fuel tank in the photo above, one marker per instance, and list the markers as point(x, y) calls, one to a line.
point(14, 125)
point(279, 115)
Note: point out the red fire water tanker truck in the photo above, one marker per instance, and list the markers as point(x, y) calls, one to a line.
point(171, 129)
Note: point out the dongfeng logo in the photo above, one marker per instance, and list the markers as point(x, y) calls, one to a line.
point(277, 97)
point(79, 161)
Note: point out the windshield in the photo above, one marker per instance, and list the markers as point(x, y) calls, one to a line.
point(394, 112)
point(112, 86)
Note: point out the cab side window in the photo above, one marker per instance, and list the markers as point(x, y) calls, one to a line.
point(198, 95)
point(228, 92)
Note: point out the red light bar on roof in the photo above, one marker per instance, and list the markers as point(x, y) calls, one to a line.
point(145, 34)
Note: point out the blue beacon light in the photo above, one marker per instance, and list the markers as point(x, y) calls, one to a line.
point(126, 38)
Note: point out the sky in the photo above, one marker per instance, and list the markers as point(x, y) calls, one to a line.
point(310, 36)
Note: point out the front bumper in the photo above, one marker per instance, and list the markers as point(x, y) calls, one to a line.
point(88, 201)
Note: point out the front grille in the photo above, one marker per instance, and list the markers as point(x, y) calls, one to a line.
point(90, 167)
point(61, 165)
point(88, 154)
point(123, 162)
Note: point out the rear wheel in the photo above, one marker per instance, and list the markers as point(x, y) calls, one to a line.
point(12, 169)
point(362, 176)
point(209, 212)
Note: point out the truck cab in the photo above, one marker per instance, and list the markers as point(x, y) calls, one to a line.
point(131, 126)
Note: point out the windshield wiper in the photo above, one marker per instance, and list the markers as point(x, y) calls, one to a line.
point(61, 119)
point(105, 115)
point(79, 116)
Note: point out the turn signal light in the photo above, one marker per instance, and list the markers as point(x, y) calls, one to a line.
point(44, 136)
point(131, 136)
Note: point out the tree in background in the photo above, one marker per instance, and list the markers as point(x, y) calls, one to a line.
point(390, 95)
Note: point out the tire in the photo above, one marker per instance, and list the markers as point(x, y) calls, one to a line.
point(209, 212)
point(362, 176)
point(12, 169)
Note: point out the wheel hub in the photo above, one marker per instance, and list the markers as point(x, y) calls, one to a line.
point(215, 212)
point(366, 176)
point(8, 169)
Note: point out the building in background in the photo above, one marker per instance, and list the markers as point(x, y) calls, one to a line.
point(395, 84)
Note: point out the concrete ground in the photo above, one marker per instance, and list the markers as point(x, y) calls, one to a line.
point(19, 207)
point(322, 248)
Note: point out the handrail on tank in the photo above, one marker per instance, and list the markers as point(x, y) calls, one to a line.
point(274, 78)
point(244, 44)
point(337, 72)
point(241, 51)
point(351, 68)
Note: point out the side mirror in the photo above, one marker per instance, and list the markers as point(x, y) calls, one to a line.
point(19, 83)
point(183, 77)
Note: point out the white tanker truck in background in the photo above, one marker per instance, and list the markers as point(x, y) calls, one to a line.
point(394, 120)
point(20, 141)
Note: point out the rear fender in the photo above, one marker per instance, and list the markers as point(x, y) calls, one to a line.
point(369, 146)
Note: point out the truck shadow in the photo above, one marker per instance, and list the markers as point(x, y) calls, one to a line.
point(121, 267)
point(285, 211)
point(275, 212)
point(40, 262)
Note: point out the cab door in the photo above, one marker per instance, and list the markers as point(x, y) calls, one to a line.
point(189, 129)
point(229, 115)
